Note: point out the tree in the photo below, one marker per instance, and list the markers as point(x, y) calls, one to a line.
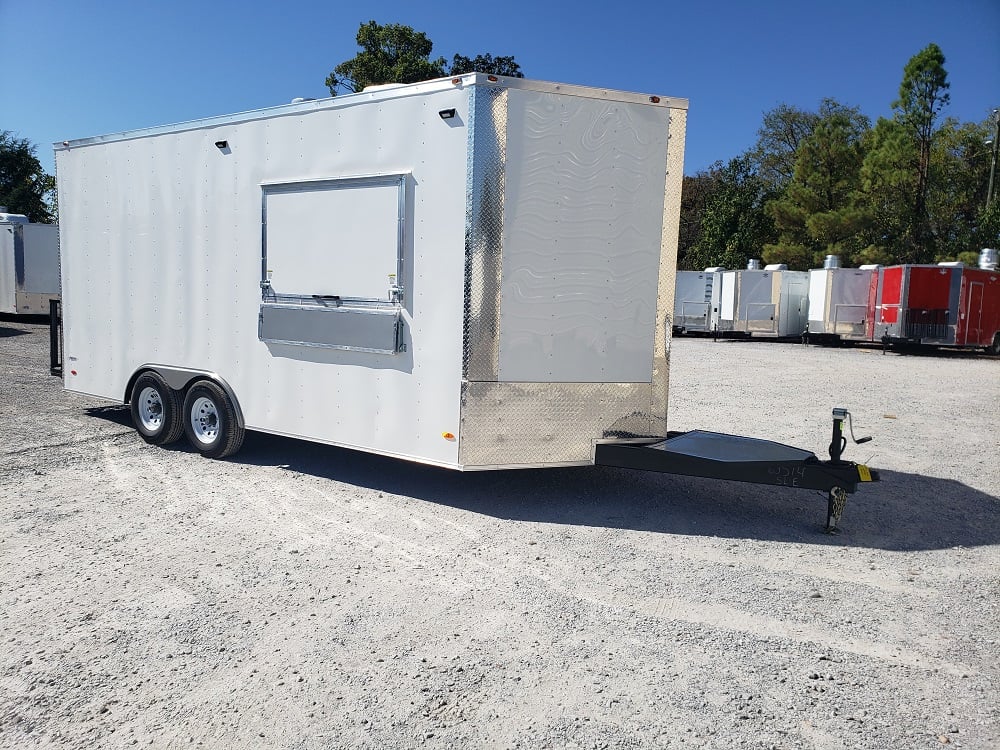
point(395, 53)
point(819, 212)
point(896, 174)
point(500, 66)
point(778, 139)
point(959, 175)
point(922, 96)
point(696, 192)
point(25, 188)
point(734, 224)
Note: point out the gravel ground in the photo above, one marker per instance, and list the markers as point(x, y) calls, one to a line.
point(302, 596)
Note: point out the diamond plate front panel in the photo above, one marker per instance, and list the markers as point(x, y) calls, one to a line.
point(506, 424)
point(668, 269)
point(484, 232)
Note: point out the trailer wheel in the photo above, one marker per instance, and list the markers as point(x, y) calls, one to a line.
point(994, 348)
point(156, 410)
point(210, 421)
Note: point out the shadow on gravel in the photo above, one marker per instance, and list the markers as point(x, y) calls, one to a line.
point(117, 414)
point(25, 319)
point(6, 332)
point(931, 352)
point(902, 512)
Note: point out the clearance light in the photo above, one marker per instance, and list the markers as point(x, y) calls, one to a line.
point(654, 99)
point(447, 114)
point(492, 78)
point(72, 372)
point(456, 81)
point(447, 436)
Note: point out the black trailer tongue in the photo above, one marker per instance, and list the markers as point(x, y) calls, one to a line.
point(744, 459)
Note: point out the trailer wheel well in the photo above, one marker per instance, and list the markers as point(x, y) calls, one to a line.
point(180, 379)
point(994, 348)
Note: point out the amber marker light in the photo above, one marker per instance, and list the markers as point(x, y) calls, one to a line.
point(447, 436)
point(492, 78)
point(456, 81)
point(654, 99)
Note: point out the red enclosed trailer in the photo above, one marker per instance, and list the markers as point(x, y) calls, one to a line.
point(979, 310)
point(942, 305)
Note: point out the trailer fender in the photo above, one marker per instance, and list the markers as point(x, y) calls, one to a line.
point(179, 378)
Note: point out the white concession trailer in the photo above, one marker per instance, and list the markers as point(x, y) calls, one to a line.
point(772, 302)
point(473, 272)
point(696, 300)
point(29, 265)
point(841, 301)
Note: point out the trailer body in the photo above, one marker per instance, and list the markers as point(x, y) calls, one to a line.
point(841, 303)
point(29, 265)
point(696, 296)
point(473, 272)
point(979, 309)
point(938, 305)
point(769, 303)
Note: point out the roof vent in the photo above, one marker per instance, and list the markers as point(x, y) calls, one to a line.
point(831, 261)
point(753, 264)
point(988, 260)
point(776, 267)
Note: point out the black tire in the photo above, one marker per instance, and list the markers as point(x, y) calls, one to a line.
point(994, 348)
point(156, 410)
point(210, 422)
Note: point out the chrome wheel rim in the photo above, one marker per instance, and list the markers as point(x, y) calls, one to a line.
point(204, 420)
point(150, 409)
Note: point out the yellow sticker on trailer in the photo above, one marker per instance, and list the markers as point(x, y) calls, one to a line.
point(864, 473)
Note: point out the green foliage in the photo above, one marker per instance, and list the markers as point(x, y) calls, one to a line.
point(695, 194)
point(734, 224)
point(959, 174)
point(500, 66)
point(778, 139)
point(897, 173)
point(395, 53)
point(25, 188)
point(818, 213)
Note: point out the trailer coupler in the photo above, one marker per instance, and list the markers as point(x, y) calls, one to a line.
point(743, 459)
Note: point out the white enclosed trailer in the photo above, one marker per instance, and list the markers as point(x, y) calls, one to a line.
point(29, 265)
point(841, 303)
point(770, 302)
point(473, 272)
point(696, 297)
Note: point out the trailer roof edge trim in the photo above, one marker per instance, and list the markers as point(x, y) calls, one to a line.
point(411, 89)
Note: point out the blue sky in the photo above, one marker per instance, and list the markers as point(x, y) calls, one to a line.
point(77, 68)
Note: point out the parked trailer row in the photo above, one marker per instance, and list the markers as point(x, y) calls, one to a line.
point(768, 302)
point(474, 272)
point(934, 305)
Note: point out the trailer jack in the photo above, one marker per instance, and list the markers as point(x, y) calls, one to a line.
point(743, 459)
